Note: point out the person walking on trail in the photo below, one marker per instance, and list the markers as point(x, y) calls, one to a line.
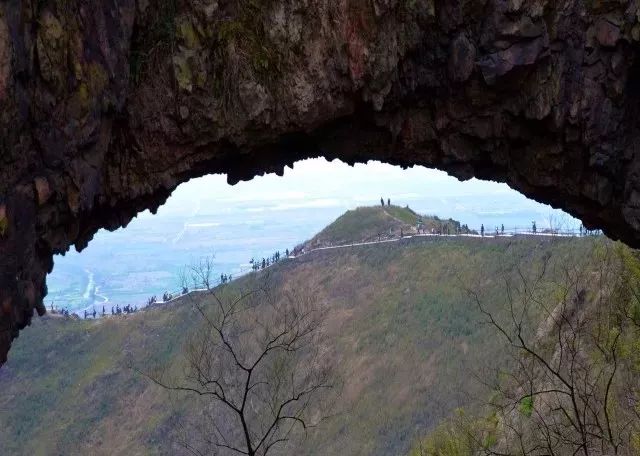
point(94, 312)
point(482, 230)
point(389, 202)
point(382, 202)
point(502, 229)
point(534, 228)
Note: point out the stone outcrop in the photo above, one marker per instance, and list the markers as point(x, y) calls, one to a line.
point(107, 105)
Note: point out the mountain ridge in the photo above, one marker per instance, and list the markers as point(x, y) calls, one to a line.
point(376, 223)
point(401, 331)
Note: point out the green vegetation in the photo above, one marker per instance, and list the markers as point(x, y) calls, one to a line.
point(257, 360)
point(367, 224)
point(244, 50)
point(526, 406)
point(405, 214)
point(359, 225)
point(573, 335)
point(246, 30)
point(209, 55)
point(154, 39)
point(403, 333)
point(459, 435)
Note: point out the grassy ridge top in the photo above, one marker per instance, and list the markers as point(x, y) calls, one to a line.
point(403, 333)
point(367, 224)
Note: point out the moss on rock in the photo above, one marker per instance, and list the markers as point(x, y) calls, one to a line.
point(51, 48)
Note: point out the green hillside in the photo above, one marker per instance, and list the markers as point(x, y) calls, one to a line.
point(367, 224)
point(403, 332)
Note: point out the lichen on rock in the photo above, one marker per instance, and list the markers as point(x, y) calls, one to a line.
point(52, 49)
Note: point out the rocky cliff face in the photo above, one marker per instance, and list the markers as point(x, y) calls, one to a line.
point(107, 105)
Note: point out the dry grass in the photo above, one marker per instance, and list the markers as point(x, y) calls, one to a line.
point(400, 329)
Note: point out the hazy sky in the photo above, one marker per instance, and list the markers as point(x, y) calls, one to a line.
point(318, 178)
point(322, 184)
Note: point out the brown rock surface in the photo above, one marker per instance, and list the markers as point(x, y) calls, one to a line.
point(107, 105)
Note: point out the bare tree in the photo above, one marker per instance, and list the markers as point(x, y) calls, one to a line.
point(564, 392)
point(259, 361)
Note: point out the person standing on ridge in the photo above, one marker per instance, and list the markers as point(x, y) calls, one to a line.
point(389, 202)
point(482, 230)
point(534, 228)
point(382, 202)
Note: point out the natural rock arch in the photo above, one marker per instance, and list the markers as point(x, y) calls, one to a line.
point(107, 105)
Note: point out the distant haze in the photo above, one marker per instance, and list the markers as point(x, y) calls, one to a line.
point(206, 216)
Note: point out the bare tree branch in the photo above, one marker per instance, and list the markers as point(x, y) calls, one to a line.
point(257, 359)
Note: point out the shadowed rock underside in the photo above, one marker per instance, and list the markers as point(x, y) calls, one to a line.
point(107, 105)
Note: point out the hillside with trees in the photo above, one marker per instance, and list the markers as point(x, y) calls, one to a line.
point(370, 224)
point(397, 338)
point(571, 384)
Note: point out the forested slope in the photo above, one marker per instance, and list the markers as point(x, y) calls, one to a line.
point(401, 328)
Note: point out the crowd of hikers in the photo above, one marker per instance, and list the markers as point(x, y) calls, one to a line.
point(443, 230)
point(257, 265)
point(582, 231)
point(117, 310)
point(62, 311)
point(501, 231)
point(130, 309)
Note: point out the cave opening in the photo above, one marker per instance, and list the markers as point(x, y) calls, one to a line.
point(235, 224)
point(385, 252)
point(107, 107)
